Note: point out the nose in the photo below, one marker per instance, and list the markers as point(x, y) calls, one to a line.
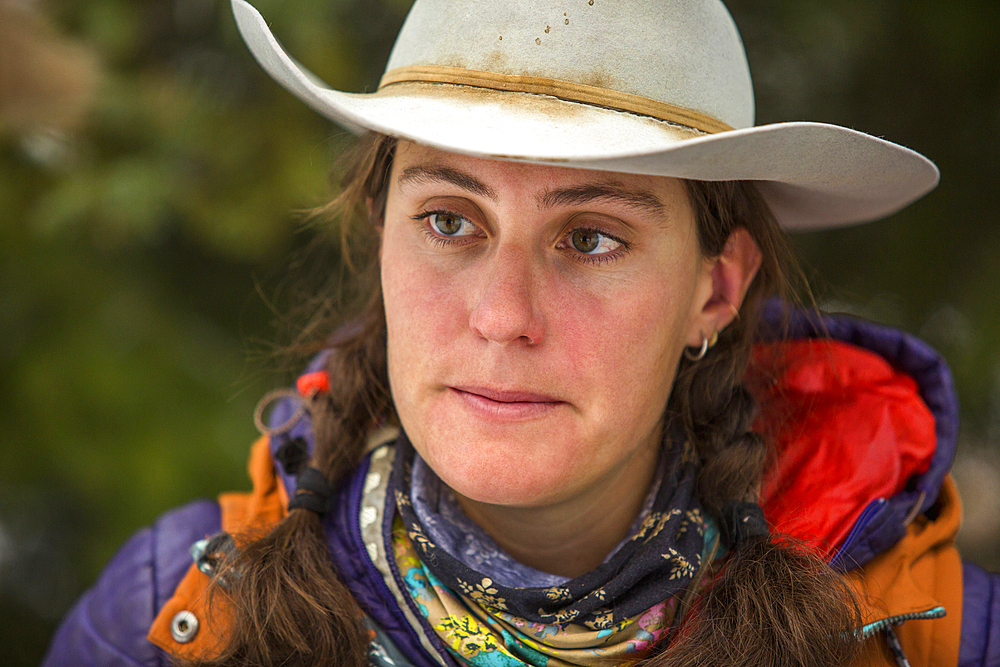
point(506, 308)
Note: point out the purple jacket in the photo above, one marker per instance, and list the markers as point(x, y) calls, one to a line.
point(108, 625)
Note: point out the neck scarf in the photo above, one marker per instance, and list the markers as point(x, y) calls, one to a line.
point(616, 611)
point(446, 525)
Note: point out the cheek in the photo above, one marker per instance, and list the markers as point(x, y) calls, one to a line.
point(630, 323)
point(423, 316)
point(622, 345)
point(419, 304)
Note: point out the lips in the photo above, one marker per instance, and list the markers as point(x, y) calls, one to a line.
point(508, 396)
point(505, 405)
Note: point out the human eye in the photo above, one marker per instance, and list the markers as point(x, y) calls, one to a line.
point(443, 225)
point(594, 245)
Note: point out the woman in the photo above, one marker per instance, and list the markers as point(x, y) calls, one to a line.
point(547, 439)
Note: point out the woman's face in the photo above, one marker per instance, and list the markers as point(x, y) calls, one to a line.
point(536, 316)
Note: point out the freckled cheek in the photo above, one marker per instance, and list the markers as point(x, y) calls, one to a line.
point(424, 314)
point(422, 302)
point(618, 344)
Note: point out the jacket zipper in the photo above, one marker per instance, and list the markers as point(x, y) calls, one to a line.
point(869, 629)
point(892, 639)
point(866, 516)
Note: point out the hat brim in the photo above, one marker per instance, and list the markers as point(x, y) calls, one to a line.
point(813, 175)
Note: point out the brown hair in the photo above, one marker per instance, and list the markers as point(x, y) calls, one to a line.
point(774, 602)
point(771, 603)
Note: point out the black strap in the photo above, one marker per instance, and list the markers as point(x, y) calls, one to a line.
point(293, 455)
point(742, 521)
point(312, 492)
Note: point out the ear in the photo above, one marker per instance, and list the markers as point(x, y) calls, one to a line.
point(729, 276)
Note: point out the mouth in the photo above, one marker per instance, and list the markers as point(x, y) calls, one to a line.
point(507, 396)
point(505, 405)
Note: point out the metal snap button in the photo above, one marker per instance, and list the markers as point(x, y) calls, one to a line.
point(184, 627)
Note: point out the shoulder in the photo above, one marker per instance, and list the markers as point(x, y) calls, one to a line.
point(108, 625)
point(980, 617)
point(941, 611)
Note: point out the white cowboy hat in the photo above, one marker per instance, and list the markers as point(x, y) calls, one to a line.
point(638, 86)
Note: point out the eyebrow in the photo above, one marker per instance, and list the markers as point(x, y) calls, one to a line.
point(572, 196)
point(613, 192)
point(439, 174)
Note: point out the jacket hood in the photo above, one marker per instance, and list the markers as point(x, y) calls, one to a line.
point(864, 419)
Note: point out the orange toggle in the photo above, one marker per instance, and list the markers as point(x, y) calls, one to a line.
point(311, 384)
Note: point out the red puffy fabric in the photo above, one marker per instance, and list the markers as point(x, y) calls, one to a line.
point(846, 428)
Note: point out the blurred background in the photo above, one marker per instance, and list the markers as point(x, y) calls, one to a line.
point(150, 176)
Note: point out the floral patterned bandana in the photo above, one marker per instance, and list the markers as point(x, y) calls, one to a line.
point(615, 611)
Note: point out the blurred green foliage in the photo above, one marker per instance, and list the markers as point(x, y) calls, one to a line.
point(133, 248)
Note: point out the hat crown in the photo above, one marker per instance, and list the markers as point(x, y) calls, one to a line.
point(685, 53)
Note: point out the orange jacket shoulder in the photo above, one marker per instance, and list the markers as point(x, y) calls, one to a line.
point(241, 514)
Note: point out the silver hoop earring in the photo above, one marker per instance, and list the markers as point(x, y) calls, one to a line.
point(701, 352)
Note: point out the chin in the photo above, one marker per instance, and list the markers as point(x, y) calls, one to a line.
point(508, 472)
point(508, 491)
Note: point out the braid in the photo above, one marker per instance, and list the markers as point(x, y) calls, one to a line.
point(772, 602)
point(732, 454)
point(289, 607)
point(359, 399)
